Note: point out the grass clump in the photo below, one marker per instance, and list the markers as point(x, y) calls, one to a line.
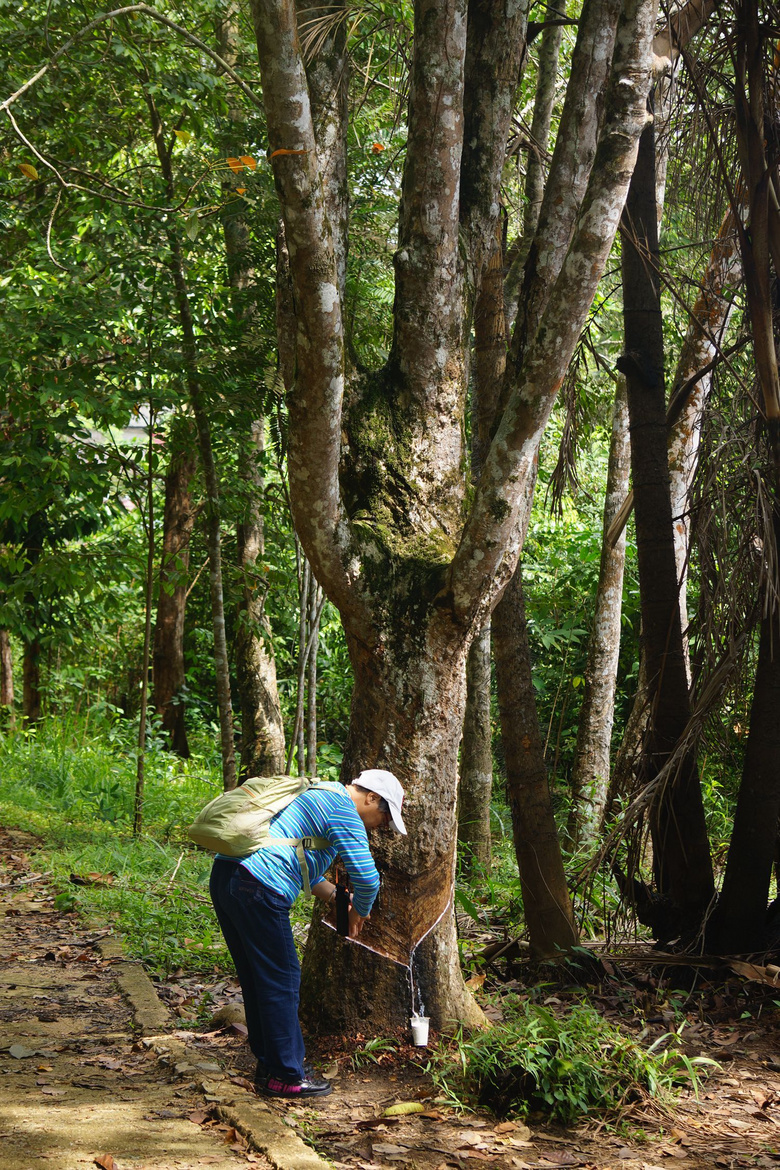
point(565, 1066)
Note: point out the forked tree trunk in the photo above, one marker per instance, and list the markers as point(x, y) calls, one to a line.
point(683, 869)
point(7, 677)
point(591, 770)
point(380, 510)
point(168, 675)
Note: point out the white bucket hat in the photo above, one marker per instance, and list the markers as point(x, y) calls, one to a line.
point(387, 785)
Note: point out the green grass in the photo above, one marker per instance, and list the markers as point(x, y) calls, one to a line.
point(73, 787)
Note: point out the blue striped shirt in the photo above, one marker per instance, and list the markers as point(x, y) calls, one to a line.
point(326, 811)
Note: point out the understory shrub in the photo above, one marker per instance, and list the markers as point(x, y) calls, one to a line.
point(563, 1065)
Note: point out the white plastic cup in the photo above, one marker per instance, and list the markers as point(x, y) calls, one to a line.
point(420, 1030)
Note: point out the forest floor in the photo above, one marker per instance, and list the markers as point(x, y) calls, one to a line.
point(80, 1087)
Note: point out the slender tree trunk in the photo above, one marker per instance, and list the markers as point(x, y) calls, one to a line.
point(741, 909)
point(138, 800)
point(475, 785)
point(31, 682)
point(590, 772)
point(683, 869)
point(315, 600)
point(262, 730)
point(476, 761)
point(168, 676)
point(544, 101)
point(200, 410)
point(709, 320)
point(7, 677)
point(547, 907)
point(739, 919)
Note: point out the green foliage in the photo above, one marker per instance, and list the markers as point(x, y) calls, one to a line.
point(565, 1065)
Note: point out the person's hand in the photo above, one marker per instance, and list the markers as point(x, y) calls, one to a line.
point(355, 922)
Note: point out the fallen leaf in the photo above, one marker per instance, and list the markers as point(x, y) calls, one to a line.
point(243, 1083)
point(505, 1127)
point(387, 1148)
point(198, 1117)
point(106, 1162)
point(19, 1052)
point(54, 1092)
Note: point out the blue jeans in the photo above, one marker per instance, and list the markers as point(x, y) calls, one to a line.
point(255, 921)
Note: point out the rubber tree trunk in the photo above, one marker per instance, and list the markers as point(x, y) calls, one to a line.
point(591, 768)
point(683, 869)
point(407, 711)
point(7, 677)
point(168, 676)
point(547, 908)
point(413, 567)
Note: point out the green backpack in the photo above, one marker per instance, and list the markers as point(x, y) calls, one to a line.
point(236, 823)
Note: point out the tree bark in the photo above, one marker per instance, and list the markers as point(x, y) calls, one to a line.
point(683, 869)
point(7, 677)
point(168, 677)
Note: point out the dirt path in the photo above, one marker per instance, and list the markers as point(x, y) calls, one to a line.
point(79, 1087)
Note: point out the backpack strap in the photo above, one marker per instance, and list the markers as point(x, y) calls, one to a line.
point(300, 844)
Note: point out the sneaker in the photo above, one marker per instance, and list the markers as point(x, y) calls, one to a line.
point(311, 1086)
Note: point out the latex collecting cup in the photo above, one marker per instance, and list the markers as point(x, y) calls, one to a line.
point(420, 1030)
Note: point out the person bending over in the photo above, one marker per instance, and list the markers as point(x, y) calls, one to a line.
point(252, 897)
